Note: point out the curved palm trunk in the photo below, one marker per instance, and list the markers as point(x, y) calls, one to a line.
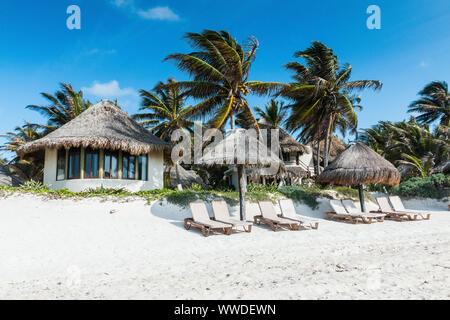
point(327, 136)
point(232, 119)
point(318, 155)
point(241, 183)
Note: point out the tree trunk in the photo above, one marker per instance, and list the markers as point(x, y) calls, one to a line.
point(232, 119)
point(325, 151)
point(318, 156)
point(330, 140)
point(241, 183)
point(361, 198)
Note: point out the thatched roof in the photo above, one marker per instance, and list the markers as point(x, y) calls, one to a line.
point(358, 165)
point(179, 175)
point(101, 126)
point(287, 142)
point(239, 148)
point(337, 146)
point(8, 178)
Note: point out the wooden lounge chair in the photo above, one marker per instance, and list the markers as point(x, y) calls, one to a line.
point(222, 214)
point(397, 205)
point(288, 212)
point(269, 217)
point(385, 207)
point(351, 207)
point(341, 214)
point(200, 219)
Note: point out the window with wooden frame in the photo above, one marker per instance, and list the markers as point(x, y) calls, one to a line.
point(143, 167)
point(74, 163)
point(61, 165)
point(91, 163)
point(128, 166)
point(111, 164)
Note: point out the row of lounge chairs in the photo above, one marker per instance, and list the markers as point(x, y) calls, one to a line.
point(390, 208)
point(347, 210)
point(222, 220)
point(393, 208)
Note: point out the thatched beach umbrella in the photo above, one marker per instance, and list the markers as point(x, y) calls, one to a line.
point(242, 150)
point(180, 176)
point(358, 165)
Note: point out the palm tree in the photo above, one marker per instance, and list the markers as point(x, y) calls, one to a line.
point(424, 166)
point(21, 135)
point(433, 105)
point(163, 110)
point(220, 70)
point(273, 114)
point(409, 143)
point(321, 95)
point(64, 106)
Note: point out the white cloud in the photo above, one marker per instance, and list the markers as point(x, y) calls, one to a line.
point(108, 89)
point(159, 13)
point(423, 64)
point(121, 3)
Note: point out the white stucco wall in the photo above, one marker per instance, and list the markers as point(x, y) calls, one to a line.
point(155, 171)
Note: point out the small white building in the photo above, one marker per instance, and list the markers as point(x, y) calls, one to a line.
point(103, 146)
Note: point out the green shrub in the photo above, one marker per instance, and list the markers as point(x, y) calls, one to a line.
point(300, 195)
point(436, 186)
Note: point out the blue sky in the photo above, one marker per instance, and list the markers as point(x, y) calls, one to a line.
point(122, 43)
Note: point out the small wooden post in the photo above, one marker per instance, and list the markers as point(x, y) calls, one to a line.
point(361, 198)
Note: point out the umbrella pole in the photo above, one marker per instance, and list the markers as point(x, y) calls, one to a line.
point(361, 198)
point(241, 183)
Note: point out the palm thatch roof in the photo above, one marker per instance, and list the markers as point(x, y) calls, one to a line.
point(287, 142)
point(101, 126)
point(8, 178)
point(337, 146)
point(359, 165)
point(240, 148)
point(179, 175)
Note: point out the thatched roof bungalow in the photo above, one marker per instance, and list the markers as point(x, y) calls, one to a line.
point(101, 147)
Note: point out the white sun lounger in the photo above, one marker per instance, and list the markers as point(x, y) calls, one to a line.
point(222, 214)
point(397, 205)
point(288, 212)
point(269, 217)
point(200, 219)
point(351, 207)
point(385, 207)
point(342, 214)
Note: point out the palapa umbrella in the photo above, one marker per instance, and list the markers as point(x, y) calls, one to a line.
point(241, 149)
point(358, 165)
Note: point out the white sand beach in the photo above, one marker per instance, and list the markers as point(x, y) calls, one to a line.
point(77, 249)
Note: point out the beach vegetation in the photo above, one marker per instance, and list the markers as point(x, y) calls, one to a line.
point(435, 186)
